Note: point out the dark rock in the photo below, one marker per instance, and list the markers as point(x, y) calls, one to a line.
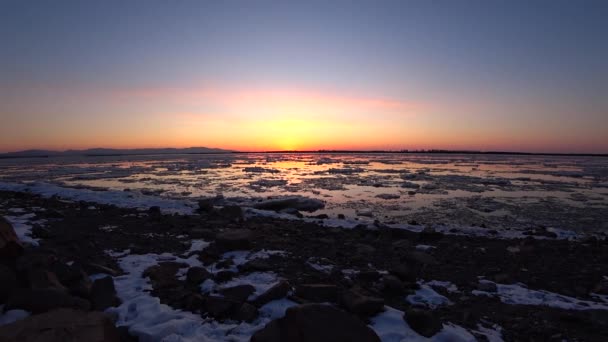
point(402, 244)
point(258, 264)
point(41, 232)
point(296, 202)
point(360, 304)
point(220, 307)
point(421, 258)
point(278, 291)
point(368, 275)
point(235, 239)
point(430, 234)
point(403, 272)
point(96, 268)
point(246, 312)
point(154, 210)
point(197, 275)
point(163, 274)
point(193, 302)
point(486, 286)
point(364, 249)
point(206, 205)
point(43, 300)
point(316, 323)
point(223, 276)
point(10, 247)
point(238, 293)
point(392, 284)
point(322, 216)
point(62, 325)
point(318, 292)
point(42, 279)
point(232, 212)
point(341, 216)
point(103, 294)
point(8, 282)
point(423, 322)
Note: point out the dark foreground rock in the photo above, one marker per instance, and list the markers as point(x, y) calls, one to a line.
point(62, 325)
point(316, 323)
point(43, 300)
point(423, 322)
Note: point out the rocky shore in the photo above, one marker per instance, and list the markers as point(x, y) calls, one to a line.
point(89, 267)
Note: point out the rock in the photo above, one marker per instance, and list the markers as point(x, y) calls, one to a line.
point(403, 272)
point(232, 212)
point(423, 322)
point(10, 247)
point(206, 205)
point(259, 264)
point(223, 276)
point(62, 325)
point(316, 323)
point(8, 282)
point(402, 244)
point(430, 234)
point(197, 275)
point(235, 239)
point(360, 304)
point(278, 291)
point(193, 302)
point(365, 212)
point(103, 294)
point(392, 284)
point(388, 196)
point(246, 312)
point(601, 287)
point(421, 258)
point(368, 275)
point(341, 216)
point(154, 210)
point(297, 202)
point(163, 274)
point(318, 292)
point(43, 300)
point(96, 268)
point(487, 286)
point(238, 293)
point(220, 307)
point(361, 248)
point(41, 232)
point(42, 279)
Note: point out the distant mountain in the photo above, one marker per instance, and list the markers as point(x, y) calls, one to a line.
point(111, 152)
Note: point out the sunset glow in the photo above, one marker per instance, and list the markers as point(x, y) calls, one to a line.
point(273, 80)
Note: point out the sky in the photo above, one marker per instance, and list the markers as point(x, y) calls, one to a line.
point(305, 75)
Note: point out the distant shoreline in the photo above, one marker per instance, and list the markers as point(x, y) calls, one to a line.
point(15, 155)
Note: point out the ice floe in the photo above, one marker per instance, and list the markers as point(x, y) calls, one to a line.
point(519, 294)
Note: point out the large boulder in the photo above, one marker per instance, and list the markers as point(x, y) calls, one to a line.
point(316, 323)
point(61, 325)
point(234, 239)
point(10, 247)
point(103, 294)
point(43, 300)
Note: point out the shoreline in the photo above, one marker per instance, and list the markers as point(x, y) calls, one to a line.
point(391, 265)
